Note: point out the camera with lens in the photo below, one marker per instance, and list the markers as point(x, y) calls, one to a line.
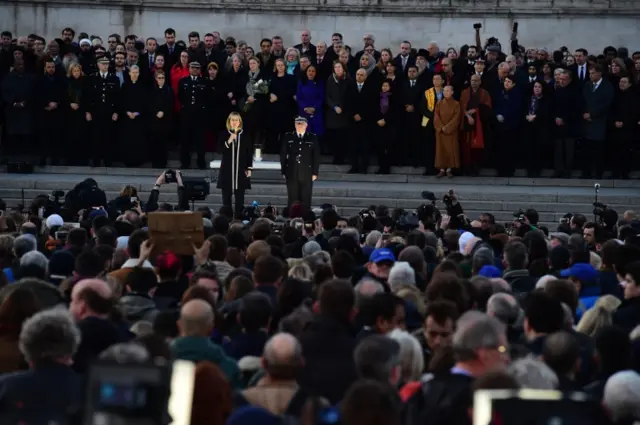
point(566, 219)
point(407, 222)
point(477, 26)
point(520, 216)
point(170, 176)
point(599, 208)
point(56, 195)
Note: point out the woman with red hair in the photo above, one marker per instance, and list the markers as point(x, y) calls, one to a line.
point(212, 403)
point(178, 72)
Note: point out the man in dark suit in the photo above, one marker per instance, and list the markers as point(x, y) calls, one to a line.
point(50, 390)
point(322, 61)
point(581, 68)
point(102, 108)
point(306, 48)
point(170, 50)
point(566, 123)
point(410, 118)
point(51, 92)
point(300, 163)
point(361, 100)
point(404, 60)
point(598, 97)
point(147, 60)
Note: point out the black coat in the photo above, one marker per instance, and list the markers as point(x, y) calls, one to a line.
point(103, 96)
point(598, 105)
point(160, 100)
point(362, 102)
point(336, 95)
point(51, 89)
point(170, 59)
point(134, 134)
point(625, 110)
point(97, 336)
point(236, 82)
point(566, 106)
point(329, 369)
point(300, 158)
point(282, 111)
point(237, 159)
point(218, 103)
point(44, 395)
point(75, 120)
point(19, 88)
point(627, 316)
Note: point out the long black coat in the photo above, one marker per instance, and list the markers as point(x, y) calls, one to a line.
point(237, 158)
point(282, 111)
point(75, 120)
point(51, 89)
point(236, 83)
point(336, 95)
point(161, 100)
point(134, 130)
point(625, 110)
point(218, 103)
point(597, 104)
point(19, 88)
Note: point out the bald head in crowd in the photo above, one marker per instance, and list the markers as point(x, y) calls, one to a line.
point(91, 298)
point(196, 319)
point(282, 356)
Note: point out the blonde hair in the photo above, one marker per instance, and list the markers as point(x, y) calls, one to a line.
point(73, 66)
point(232, 115)
point(291, 50)
point(301, 271)
point(593, 320)
point(129, 191)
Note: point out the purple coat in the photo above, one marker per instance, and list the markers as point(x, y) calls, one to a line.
point(310, 94)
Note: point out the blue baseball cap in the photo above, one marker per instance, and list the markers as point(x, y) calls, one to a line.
point(382, 254)
point(584, 272)
point(490, 272)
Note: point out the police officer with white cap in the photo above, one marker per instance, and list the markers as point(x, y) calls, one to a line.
point(192, 94)
point(300, 162)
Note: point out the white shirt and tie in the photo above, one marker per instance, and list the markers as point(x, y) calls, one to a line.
point(405, 59)
point(360, 87)
point(582, 72)
point(532, 79)
point(151, 60)
point(103, 75)
point(413, 83)
point(597, 84)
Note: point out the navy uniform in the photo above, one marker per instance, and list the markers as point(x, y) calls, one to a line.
point(300, 162)
point(192, 94)
point(103, 101)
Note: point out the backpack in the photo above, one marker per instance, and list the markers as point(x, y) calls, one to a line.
point(433, 403)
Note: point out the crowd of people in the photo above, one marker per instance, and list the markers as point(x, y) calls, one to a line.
point(382, 318)
point(131, 100)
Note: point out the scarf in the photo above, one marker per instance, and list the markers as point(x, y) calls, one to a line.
point(384, 103)
point(533, 105)
point(291, 67)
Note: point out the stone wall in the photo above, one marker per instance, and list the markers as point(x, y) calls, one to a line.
point(592, 24)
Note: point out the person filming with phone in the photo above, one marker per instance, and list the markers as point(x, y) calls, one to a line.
point(236, 164)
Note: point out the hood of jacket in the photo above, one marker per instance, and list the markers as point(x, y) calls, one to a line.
point(196, 349)
point(137, 307)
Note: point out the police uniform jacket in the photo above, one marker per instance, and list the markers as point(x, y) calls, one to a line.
point(104, 94)
point(300, 157)
point(193, 94)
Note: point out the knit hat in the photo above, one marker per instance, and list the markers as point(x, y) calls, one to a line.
point(61, 266)
point(310, 248)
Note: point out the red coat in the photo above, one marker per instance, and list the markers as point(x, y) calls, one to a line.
point(177, 74)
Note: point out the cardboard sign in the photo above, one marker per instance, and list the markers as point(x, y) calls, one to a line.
point(175, 231)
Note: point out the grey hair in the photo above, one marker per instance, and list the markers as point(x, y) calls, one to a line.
point(132, 67)
point(375, 357)
point(142, 328)
point(277, 359)
point(635, 333)
point(48, 335)
point(568, 316)
point(126, 353)
point(366, 288)
point(23, 244)
point(372, 238)
point(622, 395)
point(482, 257)
point(401, 274)
point(503, 307)
point(533, 374)
point(353, 232)
point(542, 282)
point(476, 330)
point(411, 357)
point(504, 65)
point(35, 258)
point(320, 257)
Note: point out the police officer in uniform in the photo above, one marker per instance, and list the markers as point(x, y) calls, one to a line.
point(192, 94)
point(299, 162)
point(103, 107)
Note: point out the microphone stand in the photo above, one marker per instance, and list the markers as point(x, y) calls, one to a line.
point(596, 187)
